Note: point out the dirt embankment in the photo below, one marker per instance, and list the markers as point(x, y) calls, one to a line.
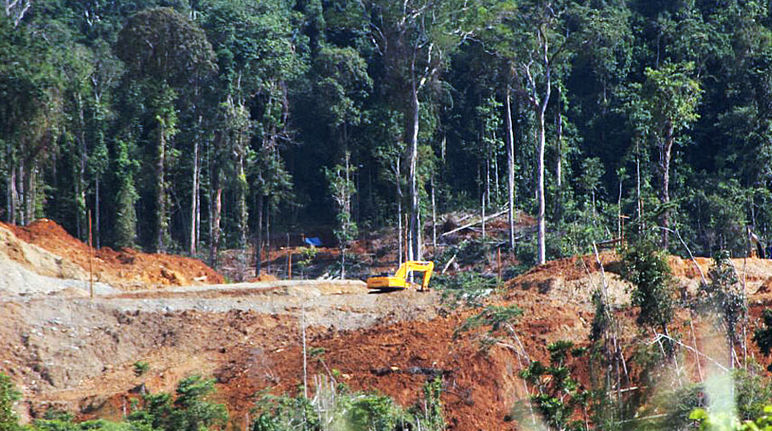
point(126, 269)
point(77, 354)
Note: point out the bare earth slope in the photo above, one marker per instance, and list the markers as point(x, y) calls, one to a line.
point(71, 352)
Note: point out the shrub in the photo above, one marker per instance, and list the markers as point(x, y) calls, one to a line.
point(141, 367)
point(8, 397)
point(189, 412)
point(647, 269)
point(335, 407)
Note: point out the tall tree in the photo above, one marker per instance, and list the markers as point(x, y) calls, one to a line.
point(413, 39)
point(162, 49)
point(258, 54)
point(30, 115)
point(531, 36)
point(670, 96)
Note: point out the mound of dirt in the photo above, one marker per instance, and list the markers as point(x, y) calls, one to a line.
point(30, 270)
point(127, 269)
point(574, 279)
point(37, 259)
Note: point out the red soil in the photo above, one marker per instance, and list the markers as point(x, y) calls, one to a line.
point(127, 268)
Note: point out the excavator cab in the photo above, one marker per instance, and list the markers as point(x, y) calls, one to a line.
point(401, 279)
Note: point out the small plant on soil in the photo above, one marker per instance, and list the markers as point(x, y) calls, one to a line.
point(646, 267)
point(763, 335)
point(559, 397)
point(307, 256)
point(498, 319)
point(141, 367)
point(724, 299)
point(8, 396)
point(465, 288)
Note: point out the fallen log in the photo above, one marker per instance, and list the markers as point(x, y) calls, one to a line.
point(468, 225)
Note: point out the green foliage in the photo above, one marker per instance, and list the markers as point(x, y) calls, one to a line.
point(337, 408)
point(272, 94)
point(164, 45)
point(469, 252)
point(724, 297)
point(141, 367)
point(342, 190)
point(126, 213)
point(671, 96)
point(307, 256)
point(9, 421)
point(558, 396)
point(433, 416)
point(99, 424)
point(746, 394)
point(763, 336)
point(647, 269)
point(190, 411)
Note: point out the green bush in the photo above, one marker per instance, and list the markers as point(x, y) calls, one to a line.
point(335, 407)
point(8, 397)
point(141, 367)
point(190, 411)
point(559, 398)
point(646, 267)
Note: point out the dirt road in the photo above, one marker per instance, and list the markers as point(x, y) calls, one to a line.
point(75, 352)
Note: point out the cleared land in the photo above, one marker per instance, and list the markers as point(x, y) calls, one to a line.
point(68, 351)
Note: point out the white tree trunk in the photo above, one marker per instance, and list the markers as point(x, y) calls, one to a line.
point(540, 192)
point(510, 169)
point(414, 250)
point(194, 201)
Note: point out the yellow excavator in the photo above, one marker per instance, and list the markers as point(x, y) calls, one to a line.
point(400, 280)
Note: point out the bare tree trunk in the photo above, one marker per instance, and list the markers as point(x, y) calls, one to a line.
point(414, 250)
point(96, 212)
point(31, 192)
point(215, 239)
point(22, 195)
point(540, 191)
point(496, 187)
point(541, 112)
point(665, 150)
point(243, 225)
point(160, 188)
point(559, 161)
point(10, 192)
point(400, 238)
point(510, 169)
point(194, 200)
point(638, 184)
point(16, 9)
point(487, 193)
point(259, 244)
point(482, 212)
point(619, 210)
point(268, 232)
point(434, 219)
point(81, 186)
point(198, 209)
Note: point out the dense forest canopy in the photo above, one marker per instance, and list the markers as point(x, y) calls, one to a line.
point(191, 125)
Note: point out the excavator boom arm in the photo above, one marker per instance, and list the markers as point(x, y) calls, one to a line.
point(401, 276)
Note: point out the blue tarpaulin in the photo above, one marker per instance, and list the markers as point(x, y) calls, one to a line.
point(313, 241)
